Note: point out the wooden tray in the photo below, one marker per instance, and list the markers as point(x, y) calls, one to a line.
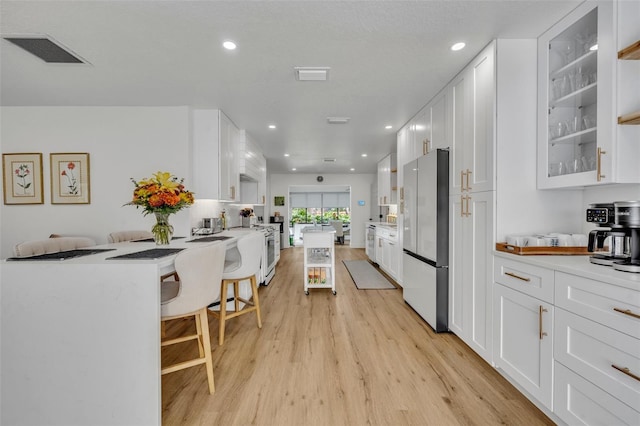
point(523, 251)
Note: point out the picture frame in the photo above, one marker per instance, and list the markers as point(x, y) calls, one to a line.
point(22, 178)
point(70, 180)
point(278, 200)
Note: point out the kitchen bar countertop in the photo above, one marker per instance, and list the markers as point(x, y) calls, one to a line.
point(580, 266)
point(81, 336)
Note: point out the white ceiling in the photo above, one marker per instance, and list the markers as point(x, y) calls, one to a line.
point(387, 59)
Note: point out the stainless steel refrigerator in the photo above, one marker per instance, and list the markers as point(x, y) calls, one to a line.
point(425, 256)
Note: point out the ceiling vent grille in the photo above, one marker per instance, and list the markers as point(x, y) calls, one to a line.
point(312, 73)
point(338, 120)
point(329, 160)
point(46, 49)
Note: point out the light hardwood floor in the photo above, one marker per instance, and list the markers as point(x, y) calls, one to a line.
point(362, 357)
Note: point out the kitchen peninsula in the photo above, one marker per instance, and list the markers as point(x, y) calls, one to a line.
point(81, 337)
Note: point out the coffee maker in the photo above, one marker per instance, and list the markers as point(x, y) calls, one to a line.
point(603, 214)
point(627, 220)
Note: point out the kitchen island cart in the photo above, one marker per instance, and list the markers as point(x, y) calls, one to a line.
point(319, 260)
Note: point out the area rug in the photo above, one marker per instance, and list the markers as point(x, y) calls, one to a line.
point(366, 277)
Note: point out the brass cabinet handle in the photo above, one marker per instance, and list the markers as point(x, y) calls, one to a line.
point(542, 333)
point(468, 213)
point(468, 173)
point(627, 312)
point(402, 193)
point(233, 192)
point(511, 274)
point(462, 197)
point(599, 174)
point(264, 199)
point(426, 146)
point(461, 180)
point(626, 371)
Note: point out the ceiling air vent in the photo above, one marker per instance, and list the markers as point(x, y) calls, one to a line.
point(338, 120)
point(329, 160)
point(312, 73)
point(46, 49)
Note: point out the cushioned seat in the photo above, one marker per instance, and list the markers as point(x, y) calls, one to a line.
point(200, 270)
point(245, 268)
point(51, 245)
point(337, 225)
point(121, 236)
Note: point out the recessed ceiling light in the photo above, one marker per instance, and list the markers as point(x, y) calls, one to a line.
point(594, 47)
point(388, 127)
point(458, 46)
point(286, 155)
point(272, 126)
point(338, 120)
point(229, 45)
point(364, 155)
point(294, 169)
point(352, 169)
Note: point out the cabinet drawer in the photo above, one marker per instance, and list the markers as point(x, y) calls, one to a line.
point(528, 279)
point(591, 350)
point(613, 306)
point(580, 402)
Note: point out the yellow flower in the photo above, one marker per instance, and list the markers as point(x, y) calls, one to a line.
point(164, 179)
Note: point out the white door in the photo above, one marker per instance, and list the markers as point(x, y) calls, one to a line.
point(523, 341)
point(427, 213)
point(410, 206)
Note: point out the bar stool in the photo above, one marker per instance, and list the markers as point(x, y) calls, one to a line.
point(246, 268)
point(200, 270)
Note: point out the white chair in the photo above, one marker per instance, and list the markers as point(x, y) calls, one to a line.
point(246, 268)
point(121, 236)
point(200, 271)
point(337, 225)
point(51, 245)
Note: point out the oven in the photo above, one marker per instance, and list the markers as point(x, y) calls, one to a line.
point(269, 256)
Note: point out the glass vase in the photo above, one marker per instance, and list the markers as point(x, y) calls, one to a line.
point(162, 230)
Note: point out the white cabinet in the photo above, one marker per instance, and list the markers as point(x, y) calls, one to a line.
point(387, 180)
point(470, 270)
point(472, 200)
point(577, 144)
point(472, 144)
point(596, 351)
point(523, 341)
point(387, 253)
point(215, 156)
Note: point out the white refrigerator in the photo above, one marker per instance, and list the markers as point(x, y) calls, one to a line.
point(425, 256)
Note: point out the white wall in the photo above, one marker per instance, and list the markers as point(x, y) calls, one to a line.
point(123, 143)
point(360, 190)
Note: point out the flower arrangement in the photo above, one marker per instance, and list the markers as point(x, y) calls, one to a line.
point(163, 193)
point(246, 212)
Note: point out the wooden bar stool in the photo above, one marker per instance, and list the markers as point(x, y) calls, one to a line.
point(200, 270)
point(246, 268)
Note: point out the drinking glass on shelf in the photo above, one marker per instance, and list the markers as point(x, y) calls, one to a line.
point(588, 122)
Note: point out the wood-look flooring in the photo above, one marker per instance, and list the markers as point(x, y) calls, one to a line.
point(362, 357)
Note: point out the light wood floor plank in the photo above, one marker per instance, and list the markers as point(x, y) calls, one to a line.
point(362, 357)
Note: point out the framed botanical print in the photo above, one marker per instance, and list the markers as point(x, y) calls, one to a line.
point(22, 178)
point(70, 182)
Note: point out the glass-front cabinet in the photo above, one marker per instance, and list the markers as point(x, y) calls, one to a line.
point(576, 93)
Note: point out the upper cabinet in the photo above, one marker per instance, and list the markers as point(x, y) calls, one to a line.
point(215, 156)
point(577, 102)
point(472, 141)
point(387, 180)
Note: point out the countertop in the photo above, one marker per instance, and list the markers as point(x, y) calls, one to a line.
point(580, 266)
point(392, 226)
